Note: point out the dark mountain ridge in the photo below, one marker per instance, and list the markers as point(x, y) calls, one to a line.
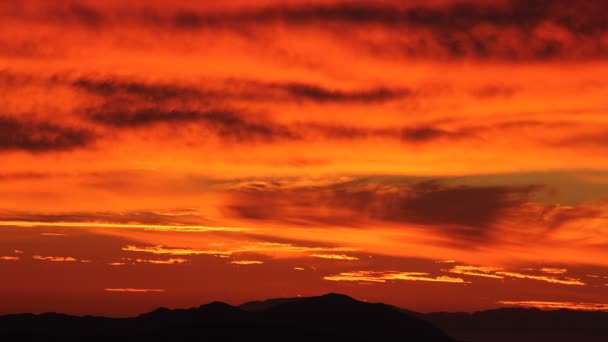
point(523, 324)
point(329, 316)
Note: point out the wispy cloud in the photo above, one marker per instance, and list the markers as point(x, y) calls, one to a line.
point(556, 305)
point(562, 281)
point(476, 271)
point(170, 261)
point(40, 137)
point(54, 258)
point(134, 290)
point(473, 210)
point(384, 276)
point(335, 256)
point(246, 262)
point(551, 270)
point(500, 273)
point(266, 248)
point(156, 227)
point(548, 30)
point(173, 251)
point(9, 258)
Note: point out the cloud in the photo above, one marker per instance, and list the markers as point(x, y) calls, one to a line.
point(246, 262)
point(474, 206)
point(170, 261)
point(556, 305)
point(114, 89)
point(159, 217)
point(423, 134)
point(225, 124)
point(303, 92)
point(143, 117)
point(79, 14)
point(562, 281)
point(133, 290)
point(499, 273)
point(510, 30)
point(214, 108)
point(507, 30)
point(384, 276)
point(142, 226)
point(39, 137)
point(554, 270)
point(494, 91)
point(9, 258)
point(240, 127)
point(273, 249)
point(174, 251)
point(557, 216)
point(54, 258)
point(334, 256)
point(466, 213)
point(476, 271)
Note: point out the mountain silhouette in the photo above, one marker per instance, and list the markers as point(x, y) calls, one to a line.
point(341, 316)
point(523, 325)
point(328, 316)
point(498, 325)
point(332, 315)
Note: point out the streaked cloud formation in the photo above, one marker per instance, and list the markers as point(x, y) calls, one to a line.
point(382, 277)
point(54, 258)
point(476, 271)
point(266, 248)
point(565, 281)
point(170, 261)
point(133, 290)
point(9, 258)
point(557, 305)
point(499, 273)
point(335, 256)
point(348, 140)
point(246, 262)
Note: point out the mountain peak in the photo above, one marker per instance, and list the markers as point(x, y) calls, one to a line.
point(337, 296)
point(217, 305)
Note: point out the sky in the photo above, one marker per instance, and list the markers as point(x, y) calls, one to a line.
point(438, 155)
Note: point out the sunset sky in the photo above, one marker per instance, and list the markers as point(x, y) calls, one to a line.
point(438, 155)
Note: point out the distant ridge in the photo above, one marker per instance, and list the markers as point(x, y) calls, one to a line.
point(332, 315)
point(502, 325)
point(523, 325)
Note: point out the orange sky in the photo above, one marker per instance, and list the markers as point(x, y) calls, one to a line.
point(437, 155)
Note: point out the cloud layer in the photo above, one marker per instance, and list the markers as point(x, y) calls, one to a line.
point(302, 147)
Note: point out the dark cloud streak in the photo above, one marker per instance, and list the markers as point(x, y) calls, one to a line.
point(467, 213)
point(513, 30)
point(40, 137)
point(318, 94)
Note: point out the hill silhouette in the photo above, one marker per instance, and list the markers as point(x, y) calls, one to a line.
point(328, 316)
point(504, 324)
point(523, 325)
